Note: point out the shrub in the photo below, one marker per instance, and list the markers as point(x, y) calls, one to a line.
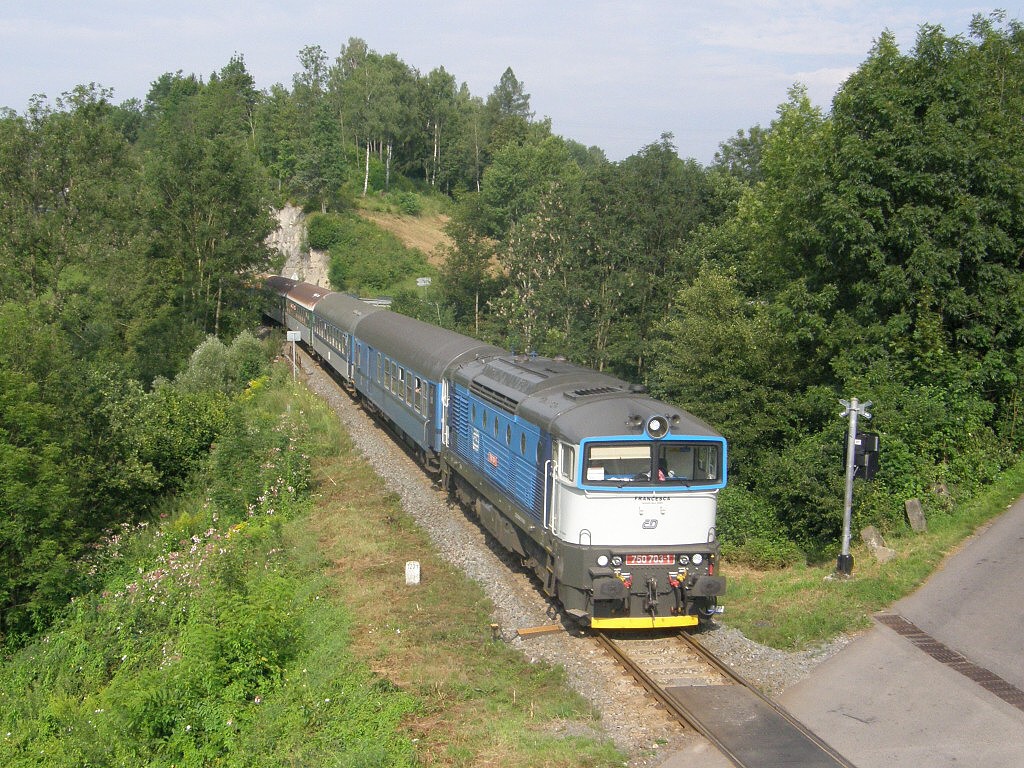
point(408, 203)
point(751, 533)
point(324, 230)
point(206, 643)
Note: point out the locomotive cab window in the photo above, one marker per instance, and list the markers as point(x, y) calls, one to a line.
point(689, 461)
point(618, 463)
point(674, 463)
point(567, 462)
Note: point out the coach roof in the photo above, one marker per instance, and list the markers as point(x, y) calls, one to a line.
point(421, 347)
point(307, 295)
point(344, 310)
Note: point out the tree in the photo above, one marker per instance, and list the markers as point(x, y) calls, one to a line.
point(740, 155)
point(508, 111)
point(663, 200)
point(928, 195)
point(438, 93)
point(230, 97)
point(467, 275)
point(210, 217)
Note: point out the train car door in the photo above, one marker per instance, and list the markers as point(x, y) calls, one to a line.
point(443, 420)
point(564, 473)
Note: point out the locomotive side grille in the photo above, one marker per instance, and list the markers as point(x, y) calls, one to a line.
point(578, 393)
point(493, 397)
point(460, 428)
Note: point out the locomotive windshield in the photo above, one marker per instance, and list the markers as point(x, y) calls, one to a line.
point(640, 463)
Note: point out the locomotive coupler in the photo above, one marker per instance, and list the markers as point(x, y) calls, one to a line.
point(651, 601)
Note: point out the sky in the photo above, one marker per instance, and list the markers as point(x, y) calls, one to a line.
point(608, 73)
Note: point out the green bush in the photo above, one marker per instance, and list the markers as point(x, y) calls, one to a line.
point(751, 532)
point(323, 230)
point(407, 202)
point(205, 643)
point(367, 260)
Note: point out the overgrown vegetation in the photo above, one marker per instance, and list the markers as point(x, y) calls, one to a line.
point(234, 627)
point(364, 259)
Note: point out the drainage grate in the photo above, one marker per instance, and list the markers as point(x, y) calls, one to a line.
point(988, 680)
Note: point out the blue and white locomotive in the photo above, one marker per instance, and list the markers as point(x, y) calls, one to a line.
point(608, 495)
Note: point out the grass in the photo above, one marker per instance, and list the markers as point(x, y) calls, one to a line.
point(481, 703)
point(798, 607)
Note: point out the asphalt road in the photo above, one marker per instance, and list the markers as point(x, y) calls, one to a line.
point(883, 701)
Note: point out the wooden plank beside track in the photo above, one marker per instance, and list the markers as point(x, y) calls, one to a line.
point(544, 630)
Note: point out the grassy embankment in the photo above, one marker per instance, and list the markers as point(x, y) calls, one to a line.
point(257, 624)
point(801, 606)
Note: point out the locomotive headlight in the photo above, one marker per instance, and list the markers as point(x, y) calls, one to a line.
point(697, 559)
point(684, 559)
point(602, 560)
point(616, 561)
point(657, 426)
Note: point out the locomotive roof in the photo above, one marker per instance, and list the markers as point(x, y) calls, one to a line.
point(571, 400)
point(427, 349)
point(344, 311)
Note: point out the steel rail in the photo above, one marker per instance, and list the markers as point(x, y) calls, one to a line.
point(677, 711)
point(738, 679)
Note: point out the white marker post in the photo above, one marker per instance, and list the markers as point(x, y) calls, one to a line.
point(412, 573)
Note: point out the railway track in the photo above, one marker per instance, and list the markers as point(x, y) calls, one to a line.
point(702, 692)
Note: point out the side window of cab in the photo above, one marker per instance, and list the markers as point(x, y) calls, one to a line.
point(567, 461)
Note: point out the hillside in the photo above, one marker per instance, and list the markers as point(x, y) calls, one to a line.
point(425, 233)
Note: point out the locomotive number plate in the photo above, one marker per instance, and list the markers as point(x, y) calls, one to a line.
point(650, 559)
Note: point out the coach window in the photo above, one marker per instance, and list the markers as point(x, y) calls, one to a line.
point(418, 394)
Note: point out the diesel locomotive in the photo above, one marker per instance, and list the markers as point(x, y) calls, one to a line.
point(608, 495)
